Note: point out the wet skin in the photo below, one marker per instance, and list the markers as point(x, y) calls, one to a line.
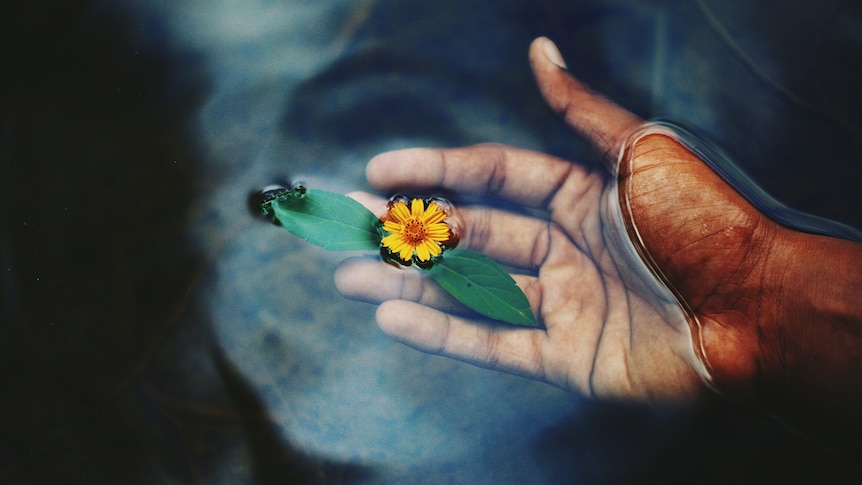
point(774, 313)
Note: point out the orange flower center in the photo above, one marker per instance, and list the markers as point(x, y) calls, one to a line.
point(415, 232)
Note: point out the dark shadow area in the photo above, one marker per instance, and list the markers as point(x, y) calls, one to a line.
point(108, 370)
point(716, 442)
point(441, 75)
point(371, 97)
point(790, 113)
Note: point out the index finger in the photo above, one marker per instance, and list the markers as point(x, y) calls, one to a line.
point(526, 177)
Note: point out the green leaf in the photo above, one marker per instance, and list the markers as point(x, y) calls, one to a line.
point(483, 285)
point(329, 220)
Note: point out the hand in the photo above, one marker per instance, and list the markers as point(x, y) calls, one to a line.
point(605, 333)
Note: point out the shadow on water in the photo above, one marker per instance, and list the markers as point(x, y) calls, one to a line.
point(108, 370)
point(714, 442)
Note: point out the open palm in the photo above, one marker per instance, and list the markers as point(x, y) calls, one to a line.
point(608, 329)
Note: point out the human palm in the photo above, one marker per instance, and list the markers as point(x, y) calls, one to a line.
point(607, 328)
point(604, 330)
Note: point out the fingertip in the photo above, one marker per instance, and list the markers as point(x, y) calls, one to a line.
point(390, 318)
point(413, 324)
point(544, 49)
point(368, 279)
point(393, 169)
point(379, 164)
point(601, 121)
point(410, 168)
point(374, 203)
point(556, 85)
point(346, 275)
point(547, 61)
point(385, 317)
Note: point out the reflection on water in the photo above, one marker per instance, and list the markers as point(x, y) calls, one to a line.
point(153, 331)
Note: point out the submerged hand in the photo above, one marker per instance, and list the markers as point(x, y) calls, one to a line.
point(599, 337)
point(604, 331)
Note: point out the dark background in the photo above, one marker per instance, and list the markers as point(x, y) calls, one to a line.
point(153, 331)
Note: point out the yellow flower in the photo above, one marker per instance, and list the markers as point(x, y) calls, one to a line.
point(419, 230)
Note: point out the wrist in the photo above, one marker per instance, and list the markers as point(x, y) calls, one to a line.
point(821, 313)
point(810, 343)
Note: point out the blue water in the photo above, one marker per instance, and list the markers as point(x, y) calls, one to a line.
point(154, 331)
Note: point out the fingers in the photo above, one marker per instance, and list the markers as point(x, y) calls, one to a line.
point(525, 177)
point(521, 176)
point(600, 121)
point(513, 239)
point(501, 347)
point(368, 280)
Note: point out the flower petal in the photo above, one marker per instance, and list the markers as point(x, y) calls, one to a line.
point(433, 248)
point(399, 212)
point(422, 251)
point(394, 242)
point(406, 252)
point(389, 240)
point(433, 210)
point(393, 227)
point(437, 231)
point(417, 208)
point(435, 218)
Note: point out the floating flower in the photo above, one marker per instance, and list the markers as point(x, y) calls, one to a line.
point(418, 233)
point(413, 231)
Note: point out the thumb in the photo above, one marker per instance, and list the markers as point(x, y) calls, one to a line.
point(599, 120)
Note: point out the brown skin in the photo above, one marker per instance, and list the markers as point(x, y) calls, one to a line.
point(779, 312)
point(711, 246)
point(776, 312)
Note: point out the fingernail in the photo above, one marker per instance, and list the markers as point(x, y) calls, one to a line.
point(553, 54)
